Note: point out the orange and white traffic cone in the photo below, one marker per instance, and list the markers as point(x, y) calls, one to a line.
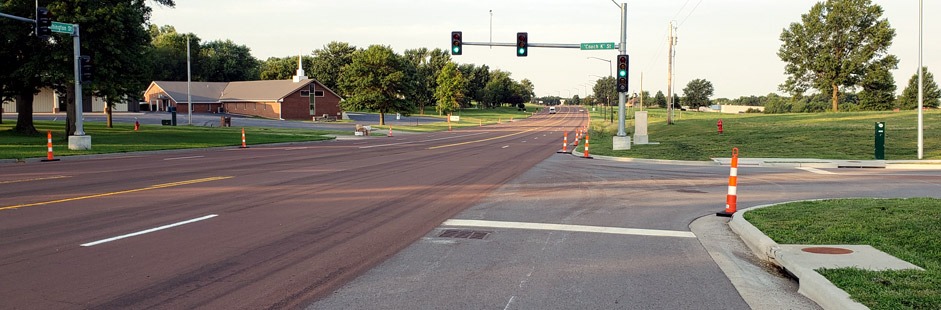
point(390, 131)
point(243, 139)
point(586, 148)
point(565, 143)
point(578, 136)
point(732, 197)
point(49, 147)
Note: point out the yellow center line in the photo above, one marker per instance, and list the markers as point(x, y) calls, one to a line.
point(35, 179)
point(152, 187)
point(555, 121)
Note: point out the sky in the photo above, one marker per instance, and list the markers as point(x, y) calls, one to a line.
point(731, 43)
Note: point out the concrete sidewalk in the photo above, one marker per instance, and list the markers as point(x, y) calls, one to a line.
point(832, 163)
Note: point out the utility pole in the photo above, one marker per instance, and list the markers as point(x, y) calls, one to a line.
point(641, 91)
point(670, 77)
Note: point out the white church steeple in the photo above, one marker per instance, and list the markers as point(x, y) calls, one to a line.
point(300, 71)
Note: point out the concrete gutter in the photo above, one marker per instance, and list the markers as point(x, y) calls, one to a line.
point(812, 284)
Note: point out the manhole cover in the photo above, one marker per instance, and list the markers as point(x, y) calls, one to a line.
point(827, 250)
point(464, 234)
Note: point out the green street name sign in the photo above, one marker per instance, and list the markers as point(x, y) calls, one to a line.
point(62, 27)
point(599, 46)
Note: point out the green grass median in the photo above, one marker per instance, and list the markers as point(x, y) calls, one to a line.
point(844, 135)
point(909, 229)
point(123, 138)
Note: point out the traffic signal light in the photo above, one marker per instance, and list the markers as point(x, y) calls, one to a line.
point(457, 43)
point(86, 68)
point(43, 21)
point(522, 44)
point(623, 62)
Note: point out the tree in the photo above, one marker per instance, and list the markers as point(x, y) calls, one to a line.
point(477, 78)
point(498, 89)
point(576, 100)
point(168, 54)
point(697, 93)
point(878, 93)
point(660, 99)
point(375, 81)
point(225, 61)
point(932, 95)
point(113, 34)
point(328, 63)
point(833, 46)
point(605, 90)
point(450, 91)
point(527, 90)
point(278, 68)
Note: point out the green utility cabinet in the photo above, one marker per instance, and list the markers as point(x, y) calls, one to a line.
point(880, 140)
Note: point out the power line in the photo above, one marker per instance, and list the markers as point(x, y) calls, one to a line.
point(690, 12)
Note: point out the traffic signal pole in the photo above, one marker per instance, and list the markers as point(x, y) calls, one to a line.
point(622, 96)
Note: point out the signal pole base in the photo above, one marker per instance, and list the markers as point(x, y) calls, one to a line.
point(621, 143)
point(81, 143)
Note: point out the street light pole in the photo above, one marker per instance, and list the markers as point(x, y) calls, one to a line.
point(602, 59)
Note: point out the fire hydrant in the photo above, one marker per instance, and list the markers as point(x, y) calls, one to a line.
point(136, 125)
point(719, 124)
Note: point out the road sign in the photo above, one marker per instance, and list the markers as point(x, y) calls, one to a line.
point(599, 46)
point(62, 27)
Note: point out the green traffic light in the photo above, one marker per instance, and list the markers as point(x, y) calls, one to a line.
point(521, 51)
point(622, 73)
point(457, 49)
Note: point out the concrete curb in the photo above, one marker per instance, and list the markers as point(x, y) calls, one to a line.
point(812, 284)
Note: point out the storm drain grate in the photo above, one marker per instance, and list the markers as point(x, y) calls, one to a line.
point(464, 234)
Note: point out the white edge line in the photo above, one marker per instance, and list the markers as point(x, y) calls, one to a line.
point(150, 230)
point(187, 157)
point(815, 170)
point(573, 228)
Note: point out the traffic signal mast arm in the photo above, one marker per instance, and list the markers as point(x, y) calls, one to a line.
point(552, 45)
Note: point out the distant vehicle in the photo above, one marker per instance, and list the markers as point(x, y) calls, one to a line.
point(551, 110)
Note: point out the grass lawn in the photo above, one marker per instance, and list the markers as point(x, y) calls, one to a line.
point(909, 229)
point(469, 118)
point(123, 138)
point(843, 135)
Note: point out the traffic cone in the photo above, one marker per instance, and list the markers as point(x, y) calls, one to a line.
point(565, 143)
point(578, 136)
point(243, 139)
point(586, 149)
point(49, 147)
point(732, 197)
point(390, 131)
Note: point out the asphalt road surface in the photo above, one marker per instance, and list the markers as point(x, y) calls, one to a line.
point(370, 224)
point(263, 227)
point(554, 238)
point(213, 120)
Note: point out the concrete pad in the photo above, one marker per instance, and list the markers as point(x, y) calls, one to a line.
point(641, 139)
point(862, 256)
point(80, 143)
point(622, 143)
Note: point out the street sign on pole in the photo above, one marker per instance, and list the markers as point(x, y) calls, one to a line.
point(598, 46)
point(62, 27)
